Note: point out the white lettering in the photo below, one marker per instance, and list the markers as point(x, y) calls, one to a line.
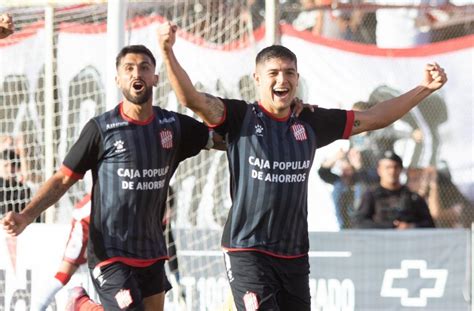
point(257, 174)
point(127, 185)
point(332, 294)
point(260, 163)
point(130, 173)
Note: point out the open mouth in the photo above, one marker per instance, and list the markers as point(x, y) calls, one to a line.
point(281, 92)
point(138, 85)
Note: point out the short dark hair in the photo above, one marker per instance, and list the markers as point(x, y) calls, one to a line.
point(275, 51)
point(134, 49)
point(390, 155)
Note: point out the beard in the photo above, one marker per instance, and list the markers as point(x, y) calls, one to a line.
point(139, 99)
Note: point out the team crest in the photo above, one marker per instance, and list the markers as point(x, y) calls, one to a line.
point(124, 298)
point(299, 132)
point(250, 301)
point(166, 137)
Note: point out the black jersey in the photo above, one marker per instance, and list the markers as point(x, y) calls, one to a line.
point(270, 160)
point(132, 163)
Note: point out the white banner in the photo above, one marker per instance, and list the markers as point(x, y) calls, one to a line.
point(333, 74)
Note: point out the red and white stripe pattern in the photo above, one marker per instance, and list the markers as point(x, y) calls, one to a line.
point(250, 301)
point(166, 137)
point(123, 298)
point(299, 132)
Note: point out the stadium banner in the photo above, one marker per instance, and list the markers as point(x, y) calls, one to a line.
point(351, 270)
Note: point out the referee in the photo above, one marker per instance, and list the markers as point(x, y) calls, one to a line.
point(270, 153)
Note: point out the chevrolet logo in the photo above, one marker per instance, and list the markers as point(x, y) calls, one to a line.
point(439, 275)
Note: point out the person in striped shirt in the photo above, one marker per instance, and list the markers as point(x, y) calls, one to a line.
point(270, 153)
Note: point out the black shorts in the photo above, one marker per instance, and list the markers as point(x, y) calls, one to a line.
point(123, 287)
point(263, 282)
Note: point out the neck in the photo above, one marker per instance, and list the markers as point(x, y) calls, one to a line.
point(276, 113)
point(137, 112)
point(391, 186)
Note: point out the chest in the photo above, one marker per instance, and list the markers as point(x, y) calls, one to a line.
point(273, 142)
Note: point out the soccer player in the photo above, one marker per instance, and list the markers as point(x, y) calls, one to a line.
point(270, 153)
point(133, 151)
point(6, 25)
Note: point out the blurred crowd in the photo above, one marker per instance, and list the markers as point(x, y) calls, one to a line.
point(373, 187)
point(386, 23)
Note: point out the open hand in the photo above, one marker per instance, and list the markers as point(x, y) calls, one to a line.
point(298, 106)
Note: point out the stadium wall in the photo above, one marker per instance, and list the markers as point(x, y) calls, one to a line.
point(359, 270)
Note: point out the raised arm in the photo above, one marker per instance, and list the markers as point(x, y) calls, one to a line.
point(47, 195)
point(209, 108)
point(387, 112)
point(6, 25)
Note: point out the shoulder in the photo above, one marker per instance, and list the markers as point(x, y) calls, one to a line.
point(413, 195)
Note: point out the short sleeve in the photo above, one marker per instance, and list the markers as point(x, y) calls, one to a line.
point(85, 153)
point(233, 118)
point(194, 137)
point(329, 124)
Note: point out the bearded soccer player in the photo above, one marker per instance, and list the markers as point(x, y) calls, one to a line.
point(132, 151)
point(270, 153)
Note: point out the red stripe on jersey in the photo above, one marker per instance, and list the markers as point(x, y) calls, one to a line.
point(140, 263)
point(349, 124)
point(68, 172)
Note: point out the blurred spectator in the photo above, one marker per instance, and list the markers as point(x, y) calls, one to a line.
point(14, 195)
point(348, 185)
point(391, 204)
point(355, 24)
point(400, 28)
point(321, 22)
point(448, 206)
point(6, 25)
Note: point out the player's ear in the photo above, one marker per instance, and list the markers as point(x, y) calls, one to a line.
point(156, 80)
point(256, 78)
point(117, 80)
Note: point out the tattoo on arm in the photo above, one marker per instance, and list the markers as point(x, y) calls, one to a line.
point(356, 123)
point(215, 106)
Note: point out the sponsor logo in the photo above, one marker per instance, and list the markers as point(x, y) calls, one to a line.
point(259, 130)
point(250, 301)
point(115, 125)
point(299, 132)
point(167, 120)
point(119, 146)
point(123, 298)
point(166, 137)
point(420, 300)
